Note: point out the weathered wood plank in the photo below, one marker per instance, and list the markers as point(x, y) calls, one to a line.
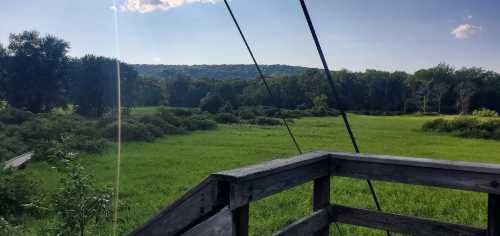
point(399, 224)
point(306, 226)
point(493, 215)
point(198, 204)
point(271, 167)
point(464, 176)
point(321, 199)
point(256, 188)
point(240, 220)
point(221, 224)
point(420, 162)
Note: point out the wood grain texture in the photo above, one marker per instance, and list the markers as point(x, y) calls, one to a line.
point(198, 204)
point(321, 199)
point(399, 224)
point(419, 171)
point(220, 224)
point(306, 226)
point(243, 192)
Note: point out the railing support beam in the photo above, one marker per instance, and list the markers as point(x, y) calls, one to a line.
point(240, 221)
point(493, 214)
point(321, 199)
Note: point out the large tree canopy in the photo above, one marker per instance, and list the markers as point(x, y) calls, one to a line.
point(94, 84)
point(35, 75)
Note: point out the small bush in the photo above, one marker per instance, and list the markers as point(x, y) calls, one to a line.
point(169, 117)
point(324, 111)
point(80, 205)
point(211, 103)
point(183, 112)
point(16, 193)
point(198, 123)
point(131, 131)
point(15, 116)
point(465, 127)
point(265, 121)
point(7, 228)
point(247, 114)
point(226, 118)
point(484, 112)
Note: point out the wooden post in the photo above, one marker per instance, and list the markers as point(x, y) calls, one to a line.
point(240, 221)
point(493, 215)
point(321, 199)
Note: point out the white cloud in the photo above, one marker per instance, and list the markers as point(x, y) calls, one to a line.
point(145, 6)
point(466, 31)
point(156, 59)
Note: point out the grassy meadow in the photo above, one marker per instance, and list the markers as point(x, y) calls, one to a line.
point(156, 174)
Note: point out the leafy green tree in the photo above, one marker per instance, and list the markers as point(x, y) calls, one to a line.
point(211, 103)
point(3, 71)
point(80, 206)
point(94, 85)
point(36, 76)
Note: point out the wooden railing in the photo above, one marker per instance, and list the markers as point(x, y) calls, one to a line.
point(220, 204)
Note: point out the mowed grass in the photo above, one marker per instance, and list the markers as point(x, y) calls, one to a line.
point(156, 174)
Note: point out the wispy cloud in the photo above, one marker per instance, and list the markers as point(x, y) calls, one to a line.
point(145, 6)
point(156, 59)
point(466, 31)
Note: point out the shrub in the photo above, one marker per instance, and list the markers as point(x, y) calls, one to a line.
point(324, 111)
point(295, 113)
point(80, 205)
point(15, 116)
point(16, 193)
point(42, 131)
point(169, 117)
point(439, 125)
point(265, 121)
point(131, 131)
point(6, 228)
point(227, 108)
point(226, 118)
point(199, 123)
point(183, 112)
point(247, 114)
point(484, 112)
point(211, 103)
point(465, 127)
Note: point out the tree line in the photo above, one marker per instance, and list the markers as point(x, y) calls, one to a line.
point(37, 74)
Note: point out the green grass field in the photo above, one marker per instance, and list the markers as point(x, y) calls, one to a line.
point(156, 174)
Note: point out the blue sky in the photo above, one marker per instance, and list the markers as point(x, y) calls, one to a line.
point(356, 34)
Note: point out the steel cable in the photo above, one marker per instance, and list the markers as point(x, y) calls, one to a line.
point(268, 88)
point(338, 101)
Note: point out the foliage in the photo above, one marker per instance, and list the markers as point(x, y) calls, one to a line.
point(466, 127)
point(211, 103)
point(35, 76)
point(484, 112)
point(192, 157)
point(6, 228)
point(265, 121)
point(216, 71)
point(226, 118)
point(80, 205)
point(17, 193)
point(94, 85)
point(11, 115)
point(198, 123)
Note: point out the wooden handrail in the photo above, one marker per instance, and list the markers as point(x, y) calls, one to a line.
point(219, 206)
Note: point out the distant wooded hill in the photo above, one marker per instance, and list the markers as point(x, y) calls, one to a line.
point(216, 71)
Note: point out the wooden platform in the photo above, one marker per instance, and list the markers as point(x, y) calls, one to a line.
point(220, 204)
